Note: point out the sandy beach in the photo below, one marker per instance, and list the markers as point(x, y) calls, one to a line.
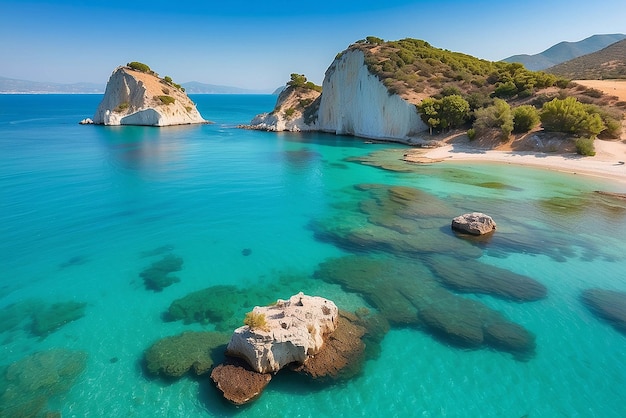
point(608, 162)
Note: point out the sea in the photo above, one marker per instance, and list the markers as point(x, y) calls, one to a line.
point(89, 215)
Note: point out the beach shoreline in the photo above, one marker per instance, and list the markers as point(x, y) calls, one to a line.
point(608, 163)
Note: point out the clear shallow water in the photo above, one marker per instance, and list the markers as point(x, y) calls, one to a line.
point(84, 206)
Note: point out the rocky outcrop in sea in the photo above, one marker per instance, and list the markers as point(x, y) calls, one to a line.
point(134, 97)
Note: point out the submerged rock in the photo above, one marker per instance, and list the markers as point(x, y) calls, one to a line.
point(55, 316)
point(475, 223)
point(27, 385)
point(510, 337)
point(471, 276)
point(609, 305)
point(177, 355)
point(157, 276)
point(405, 293)
point(215, 304)
point(289, 331)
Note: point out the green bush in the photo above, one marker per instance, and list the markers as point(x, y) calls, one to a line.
point(299, 80)
point(289, 112)
point(139, 66)
point(167, 100)
point(525, 118)
point(584, 146)
point(570, 116)
point(445, 113)
point(498, 116)
point(471, 134)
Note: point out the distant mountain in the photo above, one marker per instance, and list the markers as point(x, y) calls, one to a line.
point(565, 51)
point(194, 87)
point(11, 85)
point(609, 62)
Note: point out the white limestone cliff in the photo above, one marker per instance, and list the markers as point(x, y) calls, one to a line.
point(138, 98)
point(353, 102)
point(356, 102)
point(295, 329)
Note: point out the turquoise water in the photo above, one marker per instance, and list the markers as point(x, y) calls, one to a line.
point(85, 209)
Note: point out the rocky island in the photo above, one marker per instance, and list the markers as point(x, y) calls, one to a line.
point(306, 334)
point(136, 95)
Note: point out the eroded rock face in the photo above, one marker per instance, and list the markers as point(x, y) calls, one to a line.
point(475, 223)
point(356, 102)
point(137, 98)
point(294, 330)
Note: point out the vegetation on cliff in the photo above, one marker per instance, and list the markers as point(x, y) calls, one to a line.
point(455, 90)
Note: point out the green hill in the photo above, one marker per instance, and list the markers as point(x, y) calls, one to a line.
point(608, 63)
point(415, 70)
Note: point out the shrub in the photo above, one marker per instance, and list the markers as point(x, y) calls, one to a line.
point(289, 112)
point(256, 321)
point(595, 93)
point(525, 118)
point(167, 100)
point(471, 134)
point(299, 80)
point(584, 146)
point(498, 116)
point(139, 66)
point(121, 107)
point(168, 79)
point(570, 116)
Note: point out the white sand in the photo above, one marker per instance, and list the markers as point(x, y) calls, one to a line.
point(605, 164)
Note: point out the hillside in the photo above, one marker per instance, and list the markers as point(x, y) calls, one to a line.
point(412, 92)
point(608, 63)
point(565, 51)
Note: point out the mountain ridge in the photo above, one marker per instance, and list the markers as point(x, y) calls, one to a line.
point(607, 63)
point(18, 86)
point(565, 51)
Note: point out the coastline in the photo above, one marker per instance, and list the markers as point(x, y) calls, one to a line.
point(608, 163)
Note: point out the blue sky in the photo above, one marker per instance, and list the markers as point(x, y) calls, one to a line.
point(258, 44)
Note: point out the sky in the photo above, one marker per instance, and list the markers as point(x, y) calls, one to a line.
point(258, 44)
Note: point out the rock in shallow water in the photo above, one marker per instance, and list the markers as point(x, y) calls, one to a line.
point(475, 223)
